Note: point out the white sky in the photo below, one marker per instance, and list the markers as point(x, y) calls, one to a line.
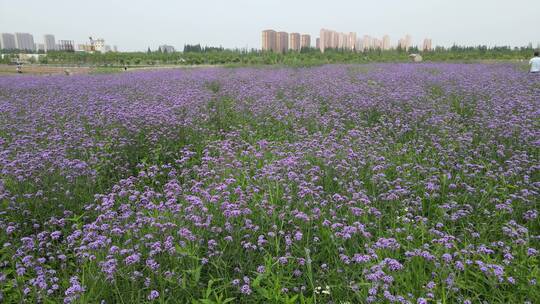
point(138, 24)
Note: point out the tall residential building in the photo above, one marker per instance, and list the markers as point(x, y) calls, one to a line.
point(40, 47)
point(408, 41)
point(326, 40)
point(294, 41)
point(50, 43)
point(352, 41)
point(318, 43)
point(7, 41)
point(24, 41)
point(66, 45)
point(282, 42)
point(367, 43)
point(305, 41)
point(330, 39)
point(358, 45)
point(405, 43)
point(335, 39)
point(341, 44)
point(426, 46)
point(269, 40)
point(377, 44)
point(386, 42)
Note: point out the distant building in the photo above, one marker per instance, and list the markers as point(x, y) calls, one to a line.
point(66, 45)
point(386, 42)
point(167, 48)
point(294, 41)
point(305, 41)
point(269, 40)
point(7, 41)
point(351, 41)
point(376, 44)
point(327, 40)
point(40, 47)
point(24, 41)
point(330, 39)
point(282, 42)
point(318, 43)
point(99, 45)
point(115, 48)
point(367, 43)
point(50, 43)
point(408, 40)
point(426, 45)
point(405, 43)
point(84, 48)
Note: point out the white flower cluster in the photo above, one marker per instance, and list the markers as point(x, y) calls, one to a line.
point(320, 290)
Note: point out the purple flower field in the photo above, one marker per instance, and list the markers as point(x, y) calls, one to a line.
point(382, 183)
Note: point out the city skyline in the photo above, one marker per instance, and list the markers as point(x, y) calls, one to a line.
point(26, 42)
point(481, 23)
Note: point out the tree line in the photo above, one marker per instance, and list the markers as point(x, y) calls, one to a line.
point(196, 55)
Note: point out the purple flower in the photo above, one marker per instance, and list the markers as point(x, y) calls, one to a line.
point(154, 294)
point(245, 289)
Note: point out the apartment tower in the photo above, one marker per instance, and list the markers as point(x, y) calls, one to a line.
point(386, 42)
point(50, 43)
point(294, 41)
point(426, 46)
point(24, 41)
point(282, 42)
point(269, 40)
point(305, 41)
point(7, 41)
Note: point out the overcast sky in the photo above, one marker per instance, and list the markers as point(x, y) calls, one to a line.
point(138, 24)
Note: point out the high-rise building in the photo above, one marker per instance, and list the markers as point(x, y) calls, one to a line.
point(40, 47)
point(328, 40)
point(282, 42)
point(305, 41)
point(386, 42)
point(405, 43)
point(352, 41)
point(65, 45)
point(342, 40)
point(50, 43)
point(325, 39)
point(426, 46)
point(294, 41)
point(7, 41)
point(358, 45)
point(24, 41)
point(318, 43)
point(335, 39)
point(269, 40)
point(408, 42)
point(377, 44)
point(367, 43)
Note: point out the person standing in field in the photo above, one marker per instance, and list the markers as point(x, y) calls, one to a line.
point(535, 63)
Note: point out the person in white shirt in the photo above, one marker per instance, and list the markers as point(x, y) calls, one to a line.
point(535, 63)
